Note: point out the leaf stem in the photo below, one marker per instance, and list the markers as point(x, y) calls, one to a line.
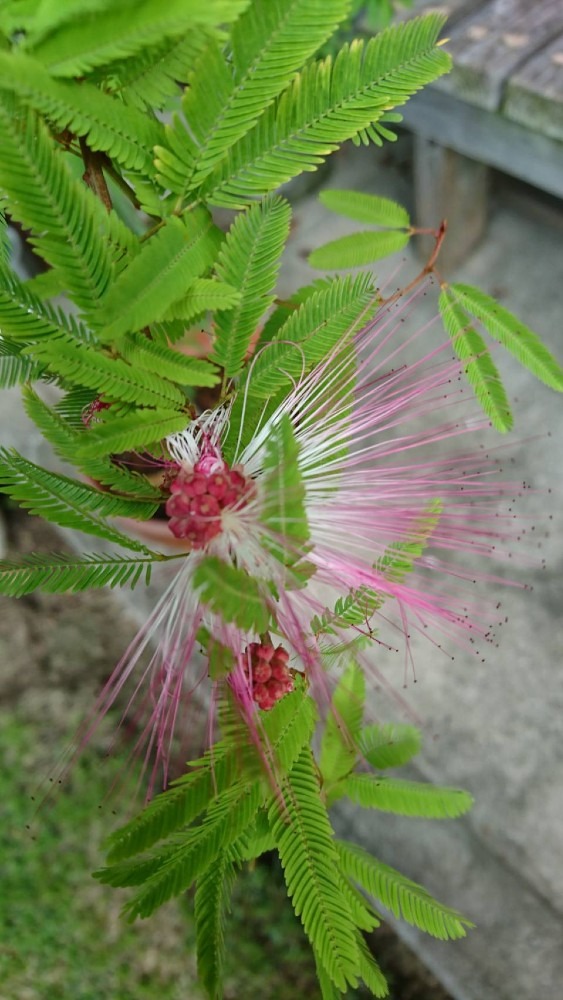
point(428, 268)
point(94, 175)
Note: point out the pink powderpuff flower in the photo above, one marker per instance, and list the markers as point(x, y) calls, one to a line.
point(322, 503)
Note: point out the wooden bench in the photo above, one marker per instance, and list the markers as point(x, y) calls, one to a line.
point(502, 107)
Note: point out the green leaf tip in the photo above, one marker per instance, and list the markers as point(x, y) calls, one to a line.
point(232, 593)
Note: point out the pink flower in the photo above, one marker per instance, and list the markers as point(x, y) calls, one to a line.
point(362, 525)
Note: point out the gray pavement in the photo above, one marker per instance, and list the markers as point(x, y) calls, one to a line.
point(495, 728)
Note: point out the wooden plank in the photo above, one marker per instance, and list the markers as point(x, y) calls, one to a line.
point(490, 45)
point(454, 10)
point(488, 137)
point(534, 95)
point(452, 187)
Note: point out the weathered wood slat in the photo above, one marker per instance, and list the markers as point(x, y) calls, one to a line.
point(534, 95)
point(488, 137)
point(451, 187)
point(454, 10)
point(489, 46)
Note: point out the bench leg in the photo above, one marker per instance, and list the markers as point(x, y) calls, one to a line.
point(453, 187)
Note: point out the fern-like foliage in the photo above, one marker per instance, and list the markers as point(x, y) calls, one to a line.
point(501, 324)
point(67, 438)
point(204, 294)
point(339, 746)
point(140, 352)
point(181, 250)
point(326, 104)
point(212, 896)
point(312, 331)
point(221, 586)
point(230, 91)
point(25, 318)
point(149, 79)
point(283, 511)
point(136, 431)
point(286, 729)
point(225, 821)
point(85, 365)
point(62, 215)
point(80, 40)
point(406, 798)
point(369, 208)
point(125, 134)
point(403, 897)
point(249, 261)
point(64, 501)
point(480, 368)
point(57, 573)
point(390, 745)
point(15, 368)
point(304, 840)
point(357, 249)
point(121, 209)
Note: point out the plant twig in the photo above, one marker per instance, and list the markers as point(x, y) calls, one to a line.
point(428, 268)
point(94, 175)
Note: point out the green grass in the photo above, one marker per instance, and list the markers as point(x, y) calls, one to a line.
point(61, 932)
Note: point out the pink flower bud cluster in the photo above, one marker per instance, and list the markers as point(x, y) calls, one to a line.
point(89, 414)
point(269, 673)
point(198, 499)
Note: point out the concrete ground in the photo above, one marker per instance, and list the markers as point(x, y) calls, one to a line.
point(496, 727)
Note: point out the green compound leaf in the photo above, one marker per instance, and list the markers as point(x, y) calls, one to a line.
point(406, 798)
point(400, 557)
point(125, 134)
point(212, 897)
point(57, 573)
point(257, 840)
point(161, 273)
point(304, 840)
point(327, 987)
point(357, 249)
point(83, 40)
point(229, 91)
point(62, 500)
point(370, 971)
point(389, 745)
point(150, 78)
point(63, 215)
point(138, 430)
point(366, 208)
point(5, 244)
point(283, 505)
point(180, 863)
point(65, 430)
point(339, 747)
point(203, 294)
point(325, 319)
point(327, 103)
point(249, 260)
point(355, 609)
point(405, 899)
point(232, 593)
point(170, 364)
point(15, 368)
point(84, 365)
point(480, 368)
point(286, 729)
point(522, 342)
point(25, 318)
